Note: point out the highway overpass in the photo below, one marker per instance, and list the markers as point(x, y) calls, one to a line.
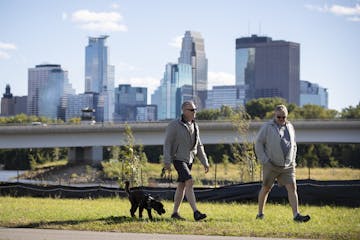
point(152, 133)
point(86, 141)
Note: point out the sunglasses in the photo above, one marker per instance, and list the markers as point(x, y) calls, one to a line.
point(192, 110)
point(280, 117)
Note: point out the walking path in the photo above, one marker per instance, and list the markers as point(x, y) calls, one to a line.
point(49, 234)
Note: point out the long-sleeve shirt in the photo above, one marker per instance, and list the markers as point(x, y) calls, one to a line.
point(182, 145)
point(268, 145)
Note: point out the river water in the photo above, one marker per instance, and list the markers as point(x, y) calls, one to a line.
point(9, 175)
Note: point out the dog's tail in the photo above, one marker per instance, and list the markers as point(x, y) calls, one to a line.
point(127, 187)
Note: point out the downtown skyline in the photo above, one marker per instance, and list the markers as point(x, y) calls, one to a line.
point(143, 40)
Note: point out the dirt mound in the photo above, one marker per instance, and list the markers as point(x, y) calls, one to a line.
point(71, 174)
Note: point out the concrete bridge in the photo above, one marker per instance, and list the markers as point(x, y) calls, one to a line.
point(86, 141)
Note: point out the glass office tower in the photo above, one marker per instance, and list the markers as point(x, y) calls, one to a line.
point(228, 95)
point(127, 99)
point(99, 77)
point(167, 97)
point(312, 93)
point(193, 53)
point(268, 68)
point(47, 84)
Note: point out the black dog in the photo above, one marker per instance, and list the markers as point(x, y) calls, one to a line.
point(142, 200)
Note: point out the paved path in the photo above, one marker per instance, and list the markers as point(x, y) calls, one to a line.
point(48, 234)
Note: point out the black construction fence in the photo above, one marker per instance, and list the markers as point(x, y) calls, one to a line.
point(339, 193)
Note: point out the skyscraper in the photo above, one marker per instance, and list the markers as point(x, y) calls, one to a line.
point(230, 95)
point(99, 77)
point(47, 84)
point(193, 53)
point(127, 98)
point(167, 97)
point(268, 68)
point(312, 93)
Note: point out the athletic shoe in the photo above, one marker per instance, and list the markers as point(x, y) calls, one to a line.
point(260, 216)
point(198, 215)
point(177, 217)
point(301, 218)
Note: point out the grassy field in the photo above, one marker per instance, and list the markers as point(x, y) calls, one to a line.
point(232, 219)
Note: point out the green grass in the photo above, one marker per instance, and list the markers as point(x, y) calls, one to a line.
point(231, 219)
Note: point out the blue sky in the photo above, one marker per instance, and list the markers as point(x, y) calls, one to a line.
point(145, 35)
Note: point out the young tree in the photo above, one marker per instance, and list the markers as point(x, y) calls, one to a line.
point(132, 159)
point(244, 153)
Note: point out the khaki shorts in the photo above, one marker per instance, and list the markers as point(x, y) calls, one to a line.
point(282, 175)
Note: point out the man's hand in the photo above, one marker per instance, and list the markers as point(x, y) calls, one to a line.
point(206, 169)
point(167, 166)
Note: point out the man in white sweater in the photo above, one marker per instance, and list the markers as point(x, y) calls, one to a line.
point(275, 147)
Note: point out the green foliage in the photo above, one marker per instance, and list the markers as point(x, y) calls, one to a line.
point(127, 162)
point(225, 161)
point(26, 119)
point(75, 120)
point(310, 111)
point(216, 151)
point(112, 169)
point(307, 156)
point(242, 154)
point(224, 113)
point(351, 112)
point(261, 107)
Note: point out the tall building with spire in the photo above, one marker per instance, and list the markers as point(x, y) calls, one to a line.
point(193, 53)
point(7, 102)
point(99, 77)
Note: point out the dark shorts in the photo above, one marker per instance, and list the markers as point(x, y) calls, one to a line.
point(183, 169)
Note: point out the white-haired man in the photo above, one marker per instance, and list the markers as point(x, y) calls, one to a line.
point(276, 148)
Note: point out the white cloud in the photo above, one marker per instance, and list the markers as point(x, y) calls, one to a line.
point(104, 26)
point(352, 13)
point(99, 21)
point(176, 42)
point(345, 11)
point(4, 48)
point(7, 46)
point(220, 78)
point(4, 55)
